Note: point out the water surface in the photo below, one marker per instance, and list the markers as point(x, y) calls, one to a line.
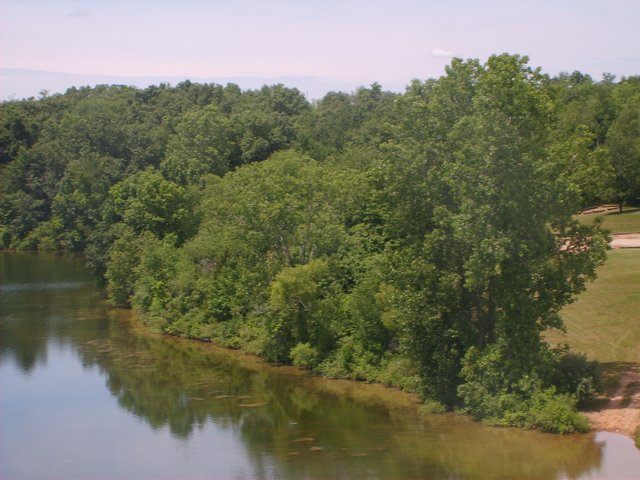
point(87, 394)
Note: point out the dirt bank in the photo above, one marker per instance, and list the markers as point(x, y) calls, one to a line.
point(621, 413)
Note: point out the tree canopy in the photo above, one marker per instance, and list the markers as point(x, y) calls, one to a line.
point(424, 239)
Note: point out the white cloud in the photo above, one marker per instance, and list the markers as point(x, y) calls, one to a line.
point(441, 52)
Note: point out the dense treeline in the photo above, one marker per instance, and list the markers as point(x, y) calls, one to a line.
point(423, 240)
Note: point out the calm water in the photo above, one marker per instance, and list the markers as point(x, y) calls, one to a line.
point(84, 394)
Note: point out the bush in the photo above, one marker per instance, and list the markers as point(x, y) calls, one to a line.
point(638, 437)
point(573, 374)
point(351, 360)
point(544, 410)
point(304, 355)
point(555, 413)
point(544, 398)
point(399, 371)
point(300, 310)
point(432, 407)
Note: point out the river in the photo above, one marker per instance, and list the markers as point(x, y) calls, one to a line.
point(85, 393)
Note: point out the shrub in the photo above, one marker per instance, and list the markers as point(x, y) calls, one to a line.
point(544, 410)
point(304, 355)
point(432, 407)
point(339, 364)
point(351, 360)
point(300, 310)
point(399, 371)
point(555, 413)
point(573, 374)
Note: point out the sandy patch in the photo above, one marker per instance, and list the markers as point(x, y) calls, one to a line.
point(625, 240)
point(622, 413)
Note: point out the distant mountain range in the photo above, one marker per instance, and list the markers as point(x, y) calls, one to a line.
point(17, 83)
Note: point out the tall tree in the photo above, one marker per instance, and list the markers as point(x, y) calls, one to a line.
point(201, 145)
point(496, 254)
point(623, 141)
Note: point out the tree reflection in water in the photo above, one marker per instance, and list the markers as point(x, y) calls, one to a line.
point(292, 425)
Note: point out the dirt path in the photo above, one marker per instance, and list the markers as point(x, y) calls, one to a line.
point(625, 240)
point(622, 412)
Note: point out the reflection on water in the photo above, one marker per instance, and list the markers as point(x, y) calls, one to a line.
point(86, 394)
point(6, 289)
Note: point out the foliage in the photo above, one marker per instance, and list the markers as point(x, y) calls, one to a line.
point(422, 240)
point(573, 374)
point(483, 271)
point(300, 310)
point(146, 202)
point(201, 145)
point(304, 355)
point(123, 258)
point(341, 121)
point(432, 407)
point(589, 168)
point(530, 400)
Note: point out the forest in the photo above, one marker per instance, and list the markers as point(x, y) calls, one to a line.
point(425, 240)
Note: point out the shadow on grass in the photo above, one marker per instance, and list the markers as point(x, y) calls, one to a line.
point(628, 210)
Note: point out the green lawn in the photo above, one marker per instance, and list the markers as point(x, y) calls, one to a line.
point(626, 222)
point(604, 322)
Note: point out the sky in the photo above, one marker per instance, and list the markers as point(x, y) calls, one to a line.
point(313, 45)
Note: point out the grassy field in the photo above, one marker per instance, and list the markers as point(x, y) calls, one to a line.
point(626, 222)
point(604, 322)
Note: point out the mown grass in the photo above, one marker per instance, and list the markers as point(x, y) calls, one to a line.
point(604, 322)
point(626, 222)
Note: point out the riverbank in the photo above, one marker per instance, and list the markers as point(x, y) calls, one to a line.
point(617, 411)
point(620, 410)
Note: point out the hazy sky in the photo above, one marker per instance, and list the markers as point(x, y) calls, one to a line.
point(348, 42)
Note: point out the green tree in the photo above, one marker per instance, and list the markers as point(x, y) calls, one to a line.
point(202, 144)
point(589, 169)
point(302, 309)
point(258, 134)
point(623, 142)
point(263, 222)
point(81, 196)
point(289, 206)
point(19, 214)
point(159, 262)
point(146, 201)
point(499, 254)
point(17, 130)
point(583, 103)
point(342, 120)
point(122, 261)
